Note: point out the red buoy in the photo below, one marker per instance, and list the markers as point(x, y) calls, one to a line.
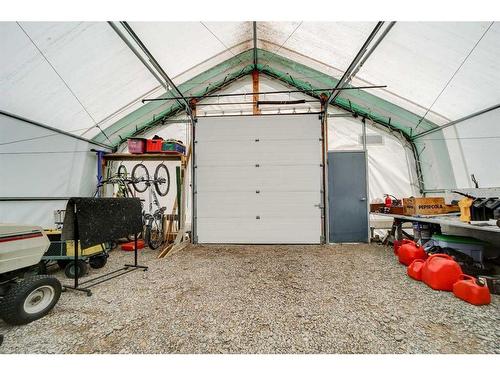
point(414, 270)
point(440, 272)
point(408, 252)
point(471, 290)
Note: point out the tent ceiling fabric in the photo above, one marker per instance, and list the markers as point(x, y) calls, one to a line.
point(75, 76)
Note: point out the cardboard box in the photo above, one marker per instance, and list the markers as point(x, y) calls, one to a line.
point(376, 207)
point(424, 206)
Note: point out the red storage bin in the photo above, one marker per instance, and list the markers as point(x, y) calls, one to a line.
point(136, 145)
point(471, 290)
point(154, 145)
point(130, 246)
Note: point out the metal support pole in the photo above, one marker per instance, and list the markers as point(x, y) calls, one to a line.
point(324, 165)
point(135, 249)
point(76, 236)
point(347, 74)
point(55, 130)
point(182, 101)
point(194, 121)
point(100, 161)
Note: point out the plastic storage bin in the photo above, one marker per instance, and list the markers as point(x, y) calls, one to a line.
point(467, 245)
point(136, 145)
point(174, 146)
point(153, 145)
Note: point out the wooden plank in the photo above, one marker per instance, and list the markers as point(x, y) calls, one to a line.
point(179, 242)
point(138, 157)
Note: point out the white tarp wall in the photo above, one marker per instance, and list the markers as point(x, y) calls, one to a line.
point(39, 163)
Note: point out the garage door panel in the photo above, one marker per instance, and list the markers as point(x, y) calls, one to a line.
point(242, 230)
point(264, 177)
point(263, 128)
point(265, 191)
point(264, 204)
point(304, 151)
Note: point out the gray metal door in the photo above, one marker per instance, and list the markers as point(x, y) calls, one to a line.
point(347, 196)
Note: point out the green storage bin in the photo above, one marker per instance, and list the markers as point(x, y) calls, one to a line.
point(172, 145)
point(467, 245)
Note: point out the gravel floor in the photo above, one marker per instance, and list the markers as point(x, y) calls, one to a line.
point(262, 299)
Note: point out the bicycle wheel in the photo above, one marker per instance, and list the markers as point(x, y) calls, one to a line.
point(122, 171)
point(162, 180)
point(140, 178)
point(154, 234)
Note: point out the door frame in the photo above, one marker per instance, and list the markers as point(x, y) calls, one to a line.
point(324, 171)
point(327, 210)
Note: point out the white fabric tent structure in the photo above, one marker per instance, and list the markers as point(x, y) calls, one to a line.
point(68, 87)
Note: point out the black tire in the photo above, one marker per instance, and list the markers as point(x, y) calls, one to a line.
point(82, 267)
point(41, 268)
point(161, 171)
point(140, 176)
point(98, 261)
point(154, 234)
point(62, 263)
point(16, 304)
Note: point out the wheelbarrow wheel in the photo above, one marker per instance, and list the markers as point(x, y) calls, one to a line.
point(30, 299)
point(98, 261)
point(82, 268)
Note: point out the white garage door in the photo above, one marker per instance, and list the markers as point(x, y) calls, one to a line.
point(258, 179)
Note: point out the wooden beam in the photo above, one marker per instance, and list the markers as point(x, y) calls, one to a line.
point(255, 88)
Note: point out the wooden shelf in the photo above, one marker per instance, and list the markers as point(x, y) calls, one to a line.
point(138, 157)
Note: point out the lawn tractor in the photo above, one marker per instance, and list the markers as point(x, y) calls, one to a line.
point(25, 294)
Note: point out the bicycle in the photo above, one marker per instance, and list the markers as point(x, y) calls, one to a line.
point(141, 181)
point(153, 222)
point(121, 179)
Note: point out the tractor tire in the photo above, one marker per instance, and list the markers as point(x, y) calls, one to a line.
point(82, 269)
point(41, 268)
point(98, 261)
point(30, 299)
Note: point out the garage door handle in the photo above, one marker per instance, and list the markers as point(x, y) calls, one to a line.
point(362, 199)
